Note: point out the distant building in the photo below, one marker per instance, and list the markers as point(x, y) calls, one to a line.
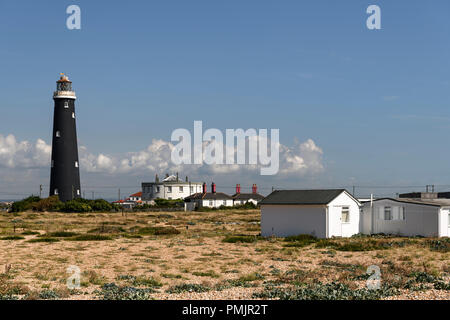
point(211, 199)
point(242, 198)
point(170, 188)
point(136, 196)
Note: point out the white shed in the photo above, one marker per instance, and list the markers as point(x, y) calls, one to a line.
point(322, 213)
point(407, 217)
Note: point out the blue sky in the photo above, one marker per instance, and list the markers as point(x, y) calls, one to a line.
point(374, 101)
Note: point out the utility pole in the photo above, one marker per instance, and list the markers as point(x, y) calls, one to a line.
point(119, 194)
point(92, 195)
point(40, 191)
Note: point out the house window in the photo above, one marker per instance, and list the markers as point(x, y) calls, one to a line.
point(211, 203)
point(76, 164)
point(66, 104)
point(181, 189)
point(192, 189)
point(55, 192)
point(58, 134)
point(345, 214)
point(387, 213)
point(169, 189)
point(157, 189)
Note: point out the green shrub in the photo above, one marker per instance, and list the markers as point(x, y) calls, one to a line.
point(48, 204)
point(43, 240)
point(29, 233)
point(188, 287)
point(60, 234)
point(111, 291)
point(76, 206)
point(12, 238)
point(89, 237)
point(25, 204)
point(242, 239)
point(158, 231)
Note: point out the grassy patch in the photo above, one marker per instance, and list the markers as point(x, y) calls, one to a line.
point(111, 291)
point(89, 237)
point(158, 231)
point(60, 234)
point(43, 240)
point(12, 238)
point(240, 239)
point(188, 287)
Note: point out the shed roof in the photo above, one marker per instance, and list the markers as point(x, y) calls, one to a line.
point(247, 196)
point(305, 197)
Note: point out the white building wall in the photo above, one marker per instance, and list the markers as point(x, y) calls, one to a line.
point(419, 220)
point(217, 203)
point(337, 228)
point(170, 190)
point(444, 222)
point(291, 220)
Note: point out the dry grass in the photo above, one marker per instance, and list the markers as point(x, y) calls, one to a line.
point(193, 255)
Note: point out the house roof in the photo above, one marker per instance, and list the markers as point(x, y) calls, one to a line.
point(247, 196)
point(208, 196)
point(305, 197)
point(427, 202)
point(137, 194)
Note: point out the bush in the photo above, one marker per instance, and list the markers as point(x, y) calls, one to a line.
point(158, 231)
point(60, 234)
point(12, 238)
point(25, 204)
point(111, 291)
point(43, 240)
point(49, 204)
point(76, 206)
point(242, 239)
point(188, 287)
point(101, 205)
point(89, 237)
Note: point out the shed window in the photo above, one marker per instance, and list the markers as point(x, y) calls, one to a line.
point(345, 214)
point(169, 189)
point(387, 213)
point(181, 189)
point(192, 189)
point(449, 220)
point(157, 189)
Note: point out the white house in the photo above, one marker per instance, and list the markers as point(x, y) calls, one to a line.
point(169, 188)
point(211, 199)
point(407, 217)
point(242, 198)
point(322, 213)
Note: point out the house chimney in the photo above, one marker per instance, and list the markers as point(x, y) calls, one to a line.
point(238, 188)
point(213, 187)
point(204, 187)
point(254, 188)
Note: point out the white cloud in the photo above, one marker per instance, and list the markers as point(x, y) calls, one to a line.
point(301, 159)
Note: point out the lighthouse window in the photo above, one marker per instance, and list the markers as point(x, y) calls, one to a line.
point(66, 104)
point(53, 163)
point(56, 192)
point(73, 115)
point(78, 192)
point(58, 134)
point(76, 164)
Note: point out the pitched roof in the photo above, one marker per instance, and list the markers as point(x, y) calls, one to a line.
point(307, 197)
point(247, 196)
point(427, 202)
point(137, 194)
point(209, 196)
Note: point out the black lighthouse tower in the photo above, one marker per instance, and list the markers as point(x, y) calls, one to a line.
point(65, 173)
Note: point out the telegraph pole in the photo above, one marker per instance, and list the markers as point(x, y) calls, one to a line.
point(40, 191)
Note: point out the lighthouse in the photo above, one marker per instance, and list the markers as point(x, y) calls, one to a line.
point(65, 171)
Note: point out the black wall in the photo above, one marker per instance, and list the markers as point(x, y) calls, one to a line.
point(64, 175)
